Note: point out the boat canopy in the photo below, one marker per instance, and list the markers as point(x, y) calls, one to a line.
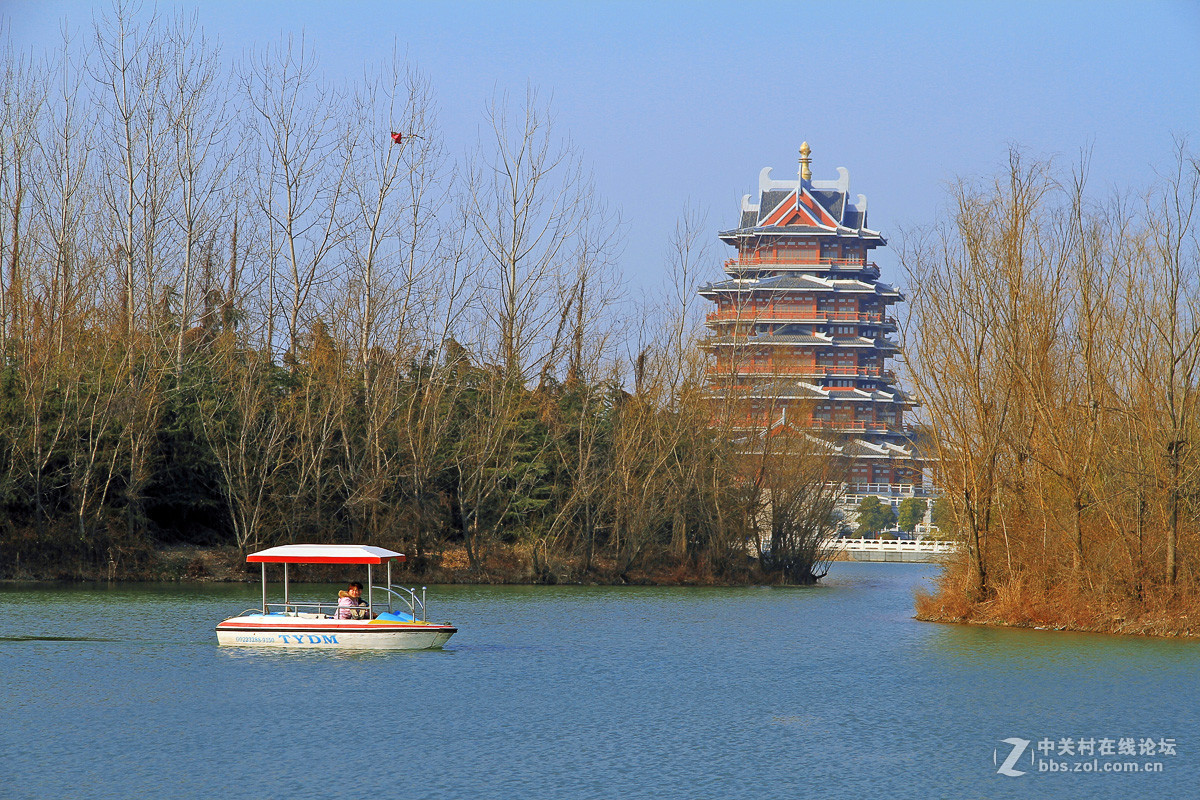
point(325, 554)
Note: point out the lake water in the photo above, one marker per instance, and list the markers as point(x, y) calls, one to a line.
point(582, 692)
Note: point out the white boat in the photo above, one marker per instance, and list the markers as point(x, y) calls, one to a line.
point(398, 623)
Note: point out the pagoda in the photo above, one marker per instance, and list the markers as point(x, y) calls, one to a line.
point(801, 334)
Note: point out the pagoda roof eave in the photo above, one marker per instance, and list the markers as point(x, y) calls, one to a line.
point(800, 339)
point(732, 235)
point(861, 448)
point(807, 391)
point(800, 282)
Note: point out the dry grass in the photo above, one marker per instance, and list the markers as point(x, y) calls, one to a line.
point(1064, 605)
point(948, 603)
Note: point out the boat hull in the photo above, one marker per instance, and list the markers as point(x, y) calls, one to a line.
point(273, 630)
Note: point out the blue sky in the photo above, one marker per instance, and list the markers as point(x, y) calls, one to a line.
point(678, 103)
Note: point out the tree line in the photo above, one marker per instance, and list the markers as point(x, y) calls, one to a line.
point(241, 304)
point(1054, 340)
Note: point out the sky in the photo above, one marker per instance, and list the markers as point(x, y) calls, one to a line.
point(676, 105)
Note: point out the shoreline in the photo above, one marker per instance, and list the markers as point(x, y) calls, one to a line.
point(225, 564)
point(1185, 635)
point(1162, 622)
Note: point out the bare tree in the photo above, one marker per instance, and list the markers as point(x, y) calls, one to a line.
point(526, 190)
point(248, 439)
point(203, 136)
point(66, 201)
point(1055, 344)
point(392, 238)
point(953, 318)
point(1175, 321)
point(393, 187)
point(302, 164)
point(24, 94)
point(427, 424)
point(128, 69)
point(794, 486)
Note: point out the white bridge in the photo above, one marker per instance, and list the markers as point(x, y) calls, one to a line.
point(893, 549)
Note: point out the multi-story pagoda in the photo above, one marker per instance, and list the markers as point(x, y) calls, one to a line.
point(801, 334)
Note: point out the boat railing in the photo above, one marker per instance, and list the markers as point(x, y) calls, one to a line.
point(315, 610)
point(406, 597)
point(398, 596)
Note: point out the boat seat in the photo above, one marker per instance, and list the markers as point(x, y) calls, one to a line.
point(306, 615)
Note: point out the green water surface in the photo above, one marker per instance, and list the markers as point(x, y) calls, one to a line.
point(582, 692)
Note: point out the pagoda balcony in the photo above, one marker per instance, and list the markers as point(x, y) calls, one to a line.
point(800, 370)
point(907, 489)
point(764, 421)
point(746, 421)
point(796, 315)
point(844, 425)
point(746, 263)
point(852, 424)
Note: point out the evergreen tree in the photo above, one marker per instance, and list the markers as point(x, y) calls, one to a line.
point(942, 515)
point(911, 512)
point(874, 516)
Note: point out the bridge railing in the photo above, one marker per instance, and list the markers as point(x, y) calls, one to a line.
point(895, 545)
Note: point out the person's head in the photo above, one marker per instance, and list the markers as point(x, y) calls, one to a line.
point(355, 589)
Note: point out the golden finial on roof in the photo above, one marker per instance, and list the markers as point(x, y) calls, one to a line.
point(805, 173)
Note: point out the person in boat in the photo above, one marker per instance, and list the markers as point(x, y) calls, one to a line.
point(351, 604)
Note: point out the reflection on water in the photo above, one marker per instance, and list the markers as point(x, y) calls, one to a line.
point(827, 691)
point(53, 639)
point(286, 656)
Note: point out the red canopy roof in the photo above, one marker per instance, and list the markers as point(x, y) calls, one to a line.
point(325, 554)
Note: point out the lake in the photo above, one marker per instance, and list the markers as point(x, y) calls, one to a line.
point(588, 692)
